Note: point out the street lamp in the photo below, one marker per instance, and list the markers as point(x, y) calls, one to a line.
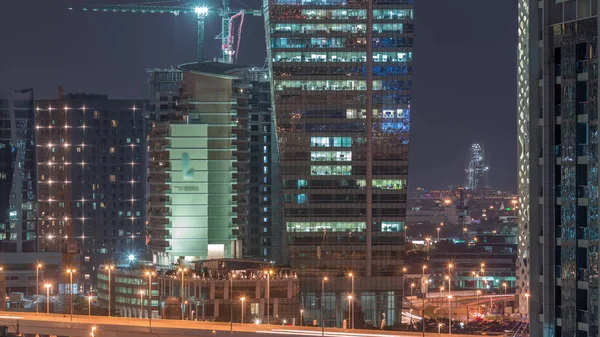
point(440, 328)
point(243, 299)
point(269, 273)
point(349, 311)
point(514, 203)
point(412, 287)
point(89, 305)
point(37, 287)
point(325, 279)
point(438, 233)
point(109, 268)
point(141, 292)
point(48, 286)
point(182, 271)
point(149, 274)
point(301, 317)
point(505, 286)
point(450, 314)
point(428, 240)
point(403, 285)
point(231, 306)
point(71, 271)
point(93, 331)
point(351, 307)
point(423, 310)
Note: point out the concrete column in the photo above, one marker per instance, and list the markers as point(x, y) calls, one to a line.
point(226, 290)
point(212, 291)
point(290, 289)
point(257, 291)
point(216, 311)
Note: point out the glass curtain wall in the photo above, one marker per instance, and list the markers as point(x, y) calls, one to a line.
point(341, 72)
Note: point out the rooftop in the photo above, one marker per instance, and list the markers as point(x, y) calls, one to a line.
point(211, 67)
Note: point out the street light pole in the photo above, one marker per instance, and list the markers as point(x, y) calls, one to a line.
point(351, 303)
point(37, 287)
point(403, 285)
point(423, 310)
point(182, 271)
point(110, 268)
point(438, 233)
point(301, 317)
point(149, 274)
point(71, 271)
point(269, 273)
point(243, 299)
point(48, 286)
point(141, 303)
point(450, 314)
point(90, 305)
point(322, 304)
point(231, 300)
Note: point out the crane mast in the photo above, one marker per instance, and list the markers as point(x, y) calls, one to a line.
point(229, 52)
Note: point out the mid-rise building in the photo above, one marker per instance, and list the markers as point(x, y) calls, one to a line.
point(92, 176)
point(558, 166)
point(341, 80)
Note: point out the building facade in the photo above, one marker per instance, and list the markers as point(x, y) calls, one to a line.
point(193, 175)
point(18, 183)
point(237, 99)
point(92, 176)
point(341, 82)
point(558, 160)
point(261, 232)
point(207, 297)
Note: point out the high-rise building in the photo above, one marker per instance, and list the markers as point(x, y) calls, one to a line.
point(193, 170)
point(558, 166)
point(18, 183)
point(261, 233)
point(341, 82)
point(92, 176)
point(477, 169)
point(257, 214)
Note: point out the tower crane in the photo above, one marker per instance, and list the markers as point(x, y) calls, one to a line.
point(228, 16)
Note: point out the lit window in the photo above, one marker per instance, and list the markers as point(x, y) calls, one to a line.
point(96, 114)
point(112, 150)
point(87, 276)
point(113, 178)
point(114, 123)
point(87, 259)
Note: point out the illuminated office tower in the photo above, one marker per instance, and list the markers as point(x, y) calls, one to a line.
point(557, 270)
point(92, 175)
point(341, 82)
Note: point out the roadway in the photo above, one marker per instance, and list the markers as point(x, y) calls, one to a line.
point(81, 326)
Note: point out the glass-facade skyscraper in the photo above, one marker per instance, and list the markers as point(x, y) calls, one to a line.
point(341, 81)
point(558, 167)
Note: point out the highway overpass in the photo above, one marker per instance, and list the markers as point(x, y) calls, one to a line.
point(31, 324)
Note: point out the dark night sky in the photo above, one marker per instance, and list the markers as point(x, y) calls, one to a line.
point(463, 82)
